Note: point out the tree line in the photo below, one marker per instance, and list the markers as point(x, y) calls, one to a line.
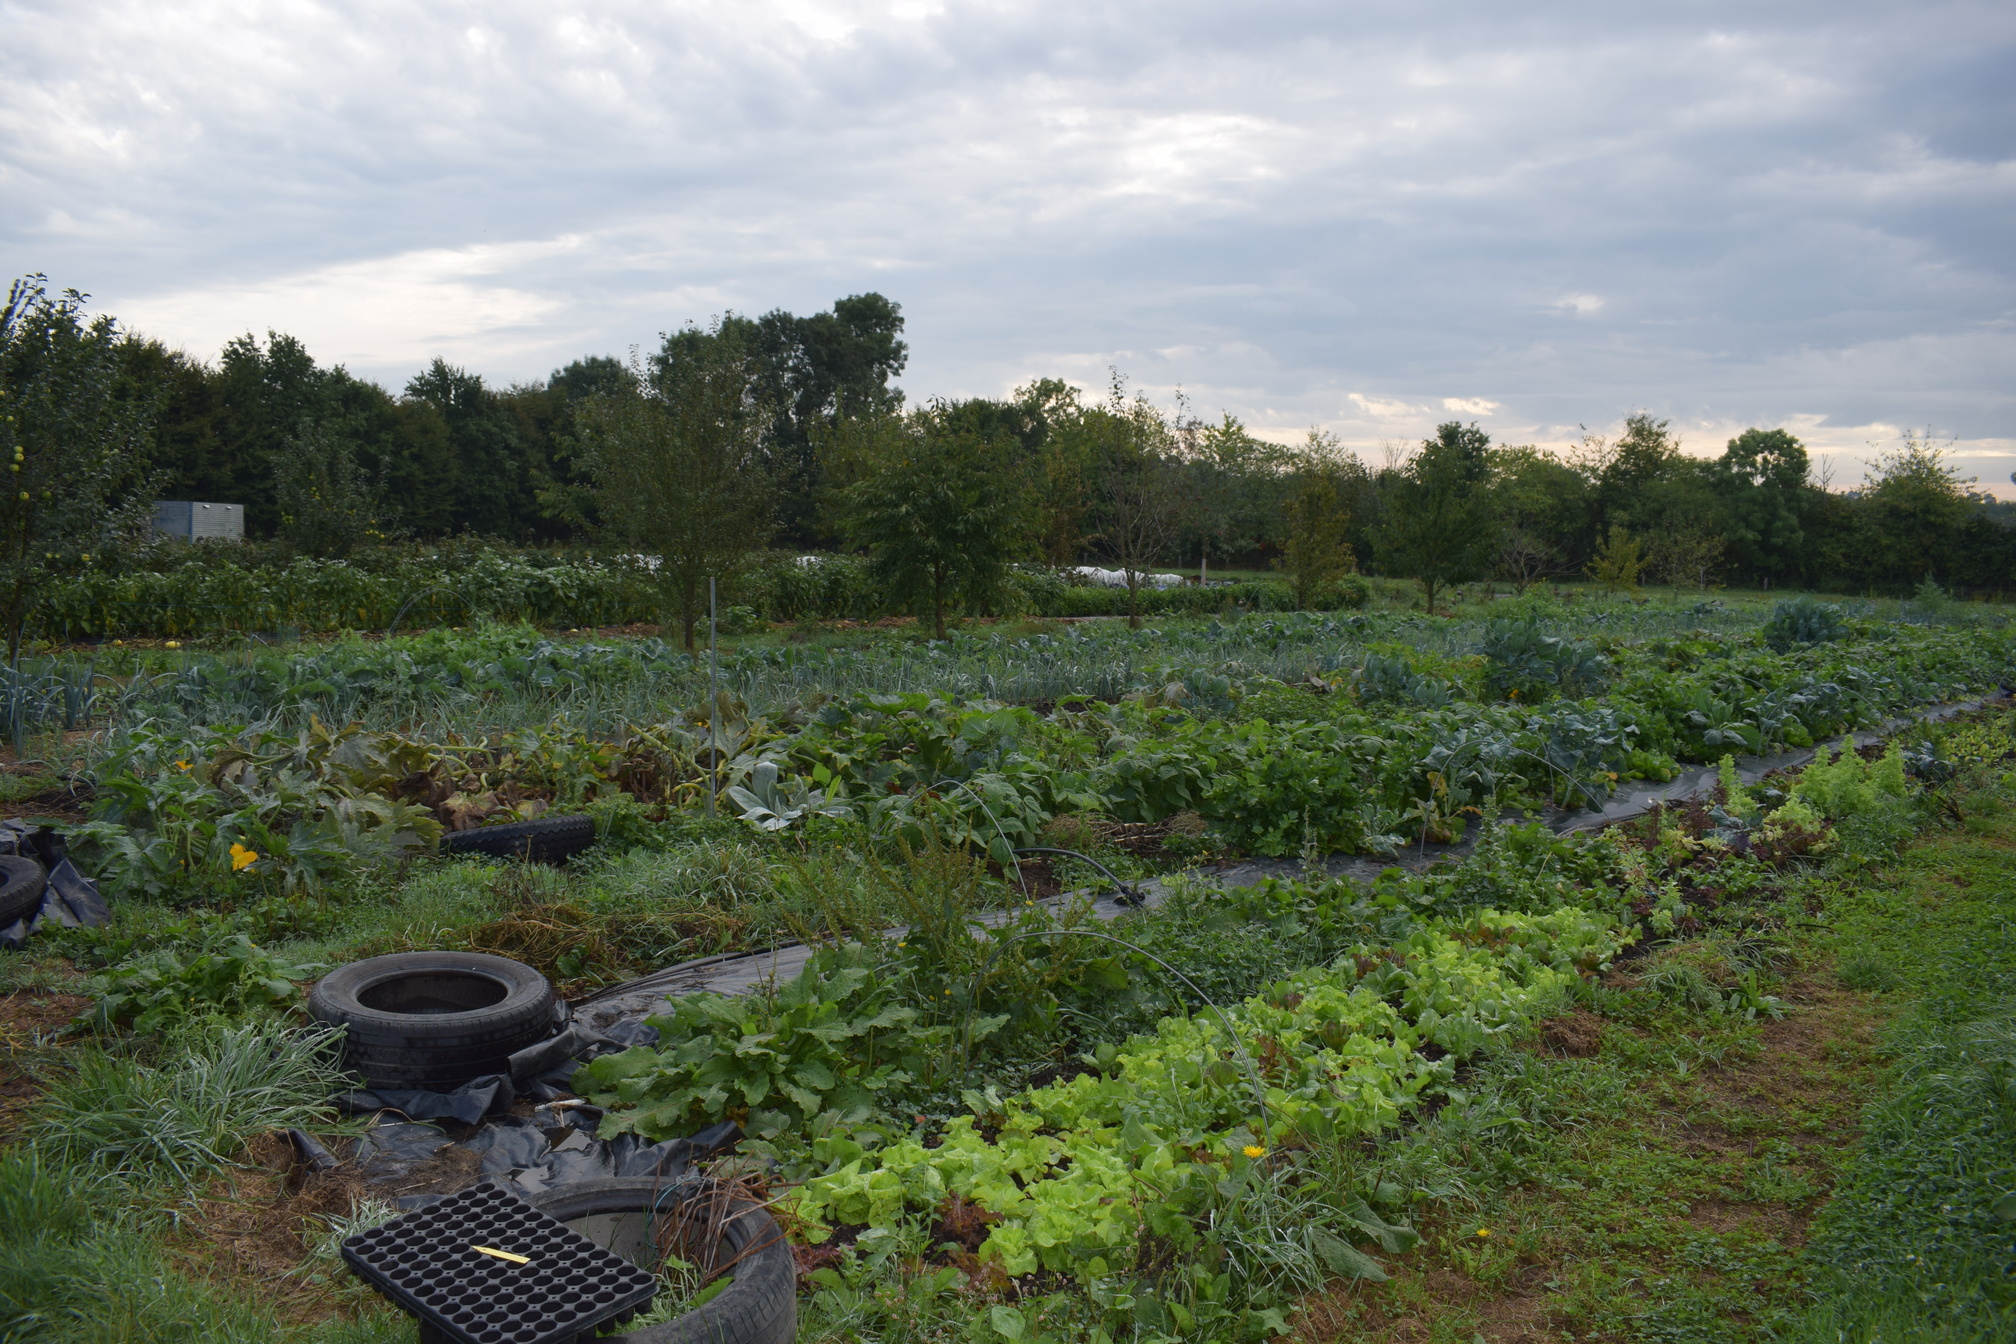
point(786, 430)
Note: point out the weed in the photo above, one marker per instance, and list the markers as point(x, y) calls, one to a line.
point(178, 1122)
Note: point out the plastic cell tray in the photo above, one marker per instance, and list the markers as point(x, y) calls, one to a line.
point(426, 1262)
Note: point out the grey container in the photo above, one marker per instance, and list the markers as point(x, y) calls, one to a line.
point(192, 520)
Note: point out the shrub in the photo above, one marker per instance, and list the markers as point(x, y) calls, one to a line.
point(1804, 621)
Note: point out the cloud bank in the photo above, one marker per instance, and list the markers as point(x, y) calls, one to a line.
point(1361, 217)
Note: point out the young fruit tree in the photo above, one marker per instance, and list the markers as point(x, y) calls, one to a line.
point(1440, 528)
point(676, 461)
point(70, 443)
point(1141, 500)
point(942, 510)
point(1317, 550)
point(1619, 560)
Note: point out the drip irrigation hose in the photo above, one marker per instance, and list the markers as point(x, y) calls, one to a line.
point(393, 628)
point(1129, 893)
point(974, 794)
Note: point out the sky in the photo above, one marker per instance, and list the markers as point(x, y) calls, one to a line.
point(1361, 218)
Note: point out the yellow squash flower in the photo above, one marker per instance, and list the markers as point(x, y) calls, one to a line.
point(241, 857)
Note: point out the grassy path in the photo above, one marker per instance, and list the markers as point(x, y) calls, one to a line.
point(1683, 1175)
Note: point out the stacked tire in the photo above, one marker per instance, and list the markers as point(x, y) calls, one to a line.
point(760, 1303)
point(434, 1020)
point(22, 882)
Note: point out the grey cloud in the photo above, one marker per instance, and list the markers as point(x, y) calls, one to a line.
point(1720, 212)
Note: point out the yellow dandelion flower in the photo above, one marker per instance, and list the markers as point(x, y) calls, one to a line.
point(1254, 1150)
point(1484, 1232)
point(241, 857)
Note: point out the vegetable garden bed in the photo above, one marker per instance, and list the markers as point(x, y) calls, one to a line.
point(1191, 1123)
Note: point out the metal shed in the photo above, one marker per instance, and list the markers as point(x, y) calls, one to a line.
point(191, 520)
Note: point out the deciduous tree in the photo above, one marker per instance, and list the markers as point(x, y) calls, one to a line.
point(942, 509)
point(1141, 501)
point(676, 458)
point(1762, 478)
point(1439, 526)
point(69, 440)
point(1317, 551)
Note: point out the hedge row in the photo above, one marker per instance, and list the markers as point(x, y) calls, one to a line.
point(211, 590)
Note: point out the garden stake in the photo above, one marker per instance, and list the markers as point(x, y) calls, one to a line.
point(713, 701)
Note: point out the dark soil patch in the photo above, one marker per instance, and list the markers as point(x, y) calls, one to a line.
point(1579, 1035)
point(30, 1024)
point(64, 802)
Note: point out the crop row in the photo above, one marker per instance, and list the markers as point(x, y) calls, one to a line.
point(1352, 762)
point(1076, 1173)
point(225, 595)
point(1169, 1151)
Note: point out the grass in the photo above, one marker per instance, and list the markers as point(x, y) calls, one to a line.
point(1653, 1172)
point(180, 1112)
point(124, 1147)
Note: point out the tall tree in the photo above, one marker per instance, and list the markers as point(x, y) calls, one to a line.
point(493, 489)
point(1064, 456)
point(544, 413)
point(1762, 478)
point(942, 509)
point(676, 458)
point(1439, 525)
point(70, 440)
point(264, 394)
point(815, 372)
point(1239, 487)
point(329, 504)
point(1541, 504)
point(1911, 513)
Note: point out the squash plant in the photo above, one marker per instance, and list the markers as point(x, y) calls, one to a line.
point(823, 1046)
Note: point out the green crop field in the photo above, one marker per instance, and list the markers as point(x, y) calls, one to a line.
point(1736, 1069)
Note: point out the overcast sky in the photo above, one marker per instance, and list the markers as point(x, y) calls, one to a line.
point(1363, 217)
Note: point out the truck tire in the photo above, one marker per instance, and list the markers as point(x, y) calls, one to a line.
point(434, 1020)
point(759, 1307)
point(547, 840)
point(22, 882)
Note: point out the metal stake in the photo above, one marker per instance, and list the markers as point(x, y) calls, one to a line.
point(713, 700)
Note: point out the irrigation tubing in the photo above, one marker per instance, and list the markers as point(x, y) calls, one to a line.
point(1129, 894)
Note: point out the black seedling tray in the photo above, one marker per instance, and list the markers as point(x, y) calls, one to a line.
point(425, 1262)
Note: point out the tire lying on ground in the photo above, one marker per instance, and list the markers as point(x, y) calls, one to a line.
point(434, 1020)
point(22, 882)
point(547, 840)
point(759, 1307)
